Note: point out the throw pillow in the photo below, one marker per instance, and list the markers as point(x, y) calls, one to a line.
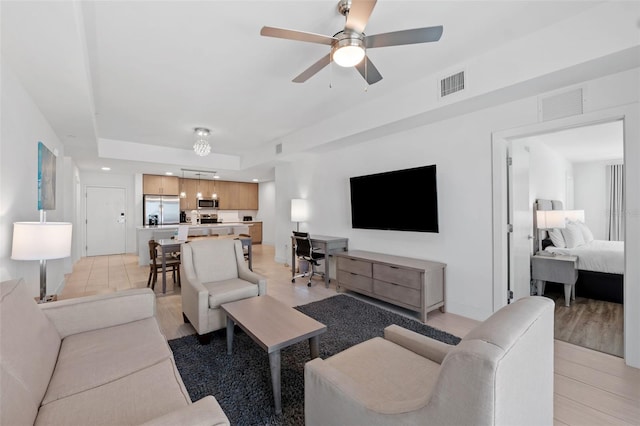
point(586, 232)
point(556, 238)
point(572, 235)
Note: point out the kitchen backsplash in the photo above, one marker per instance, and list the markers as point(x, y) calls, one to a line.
point(229, 215)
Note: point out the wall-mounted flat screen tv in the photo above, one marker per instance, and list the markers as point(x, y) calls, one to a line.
point(399, 200)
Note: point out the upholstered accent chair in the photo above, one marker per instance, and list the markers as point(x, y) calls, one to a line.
point(501, 373)
point(213, 273)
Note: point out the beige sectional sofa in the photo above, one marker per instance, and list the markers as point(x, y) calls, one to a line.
point(96, 360)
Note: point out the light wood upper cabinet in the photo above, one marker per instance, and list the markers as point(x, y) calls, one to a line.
point(160, 185)
point(231, 195)
point(247, 196)
point(190, 187)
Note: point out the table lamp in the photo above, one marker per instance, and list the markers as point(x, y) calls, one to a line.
point(299, 211)
point(549, 219)
point(41, 241)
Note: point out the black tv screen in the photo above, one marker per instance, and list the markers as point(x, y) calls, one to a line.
point(399, 200)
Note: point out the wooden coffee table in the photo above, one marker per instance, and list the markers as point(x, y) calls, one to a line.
point(273, 326)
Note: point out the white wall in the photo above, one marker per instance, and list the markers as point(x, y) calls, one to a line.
point(550, 175)
point(461, 149)
point(590, 182)
point(23, 125)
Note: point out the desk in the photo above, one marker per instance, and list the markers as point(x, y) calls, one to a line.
point(171, 245)
point(328, 245)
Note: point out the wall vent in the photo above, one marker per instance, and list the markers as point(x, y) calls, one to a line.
point(279, 148)
point(561, 105)
point(452, 84)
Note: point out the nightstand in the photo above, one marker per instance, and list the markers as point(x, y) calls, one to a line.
point(557, 269)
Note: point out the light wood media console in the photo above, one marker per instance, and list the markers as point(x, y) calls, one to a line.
point(413, 284)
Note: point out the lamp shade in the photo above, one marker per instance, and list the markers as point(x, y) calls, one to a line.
point(550, 219)
point(574, 215)
point(299, 210)
point(41, 240)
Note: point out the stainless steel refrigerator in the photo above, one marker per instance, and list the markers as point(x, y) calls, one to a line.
point(163, 209)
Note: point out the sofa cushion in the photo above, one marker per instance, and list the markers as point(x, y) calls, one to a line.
point(119, 351)
point(221, 292)
point(389, 378)
point(214, 260)
point(133, 399)
point(29, 345)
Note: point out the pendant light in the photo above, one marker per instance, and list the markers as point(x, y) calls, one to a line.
point(182, 193)
point(199, 194)
point(201, 145)
point(214, 194)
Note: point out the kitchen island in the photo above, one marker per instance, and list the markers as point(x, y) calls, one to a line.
point(146, 233)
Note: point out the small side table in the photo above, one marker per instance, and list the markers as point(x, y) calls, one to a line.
point(558, 269)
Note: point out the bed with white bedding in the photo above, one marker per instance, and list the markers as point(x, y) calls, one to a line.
point(600, 262)
point(597, 256)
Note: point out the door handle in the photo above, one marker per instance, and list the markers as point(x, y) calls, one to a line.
point(529, 237)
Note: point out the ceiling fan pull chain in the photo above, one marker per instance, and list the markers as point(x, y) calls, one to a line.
point(330, 74)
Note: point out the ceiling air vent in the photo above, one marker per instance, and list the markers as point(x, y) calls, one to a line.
point(279, 148)
point(561, 105)
point(452, 84)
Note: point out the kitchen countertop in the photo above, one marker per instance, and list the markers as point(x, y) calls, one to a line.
point(206, 225)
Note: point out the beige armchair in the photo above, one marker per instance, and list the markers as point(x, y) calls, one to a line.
point(501, 373)
point(214, 272)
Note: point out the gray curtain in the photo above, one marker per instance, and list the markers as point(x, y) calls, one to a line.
point(615, 220)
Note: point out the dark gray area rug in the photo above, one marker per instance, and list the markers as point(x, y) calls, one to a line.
point(242, 383)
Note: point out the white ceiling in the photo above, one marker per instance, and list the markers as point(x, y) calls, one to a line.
point(148, 72)
point(597, 142)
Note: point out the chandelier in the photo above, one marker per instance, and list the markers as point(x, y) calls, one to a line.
point(201, 145)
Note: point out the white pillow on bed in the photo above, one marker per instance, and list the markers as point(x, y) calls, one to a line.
point(572, 235)
point(556, 238)
point(586, 232)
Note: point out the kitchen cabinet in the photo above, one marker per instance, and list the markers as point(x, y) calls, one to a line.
point(247, 196)
point(256, 232)
point(413, 284)
point(190, 188)
point(231, 195)
point(160, 185)
point(237, 195)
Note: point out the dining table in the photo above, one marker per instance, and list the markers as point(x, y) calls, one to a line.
point(171, 245)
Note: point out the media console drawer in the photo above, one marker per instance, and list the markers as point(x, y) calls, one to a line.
point(355, 281)
point(414, 284)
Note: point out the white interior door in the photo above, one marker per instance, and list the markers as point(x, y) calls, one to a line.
point(105, 221)
point(521, 217)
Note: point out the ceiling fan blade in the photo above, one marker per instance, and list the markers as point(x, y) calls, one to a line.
point(313, 69)
point(368, 71)
point(296, 35)
point(396, 38)
point(359, 14)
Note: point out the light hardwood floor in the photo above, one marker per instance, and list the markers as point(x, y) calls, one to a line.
point(591, 388)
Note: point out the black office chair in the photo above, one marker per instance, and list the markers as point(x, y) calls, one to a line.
point(306, 252)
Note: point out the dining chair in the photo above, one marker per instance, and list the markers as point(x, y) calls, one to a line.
point(155, 265)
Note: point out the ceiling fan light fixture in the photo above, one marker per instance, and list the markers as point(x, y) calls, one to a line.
point(201, 145)
point(348, 52)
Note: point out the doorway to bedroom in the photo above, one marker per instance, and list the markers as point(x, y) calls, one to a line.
point(581, 168)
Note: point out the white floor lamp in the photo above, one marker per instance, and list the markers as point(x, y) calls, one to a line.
point(41, 241)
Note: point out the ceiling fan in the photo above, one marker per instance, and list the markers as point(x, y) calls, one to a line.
point(348, 46)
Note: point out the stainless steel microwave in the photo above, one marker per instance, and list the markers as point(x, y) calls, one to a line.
point(207, 203)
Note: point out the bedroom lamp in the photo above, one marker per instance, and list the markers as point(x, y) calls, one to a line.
point(549, 219)
point(299, 211)
point(41, 241)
